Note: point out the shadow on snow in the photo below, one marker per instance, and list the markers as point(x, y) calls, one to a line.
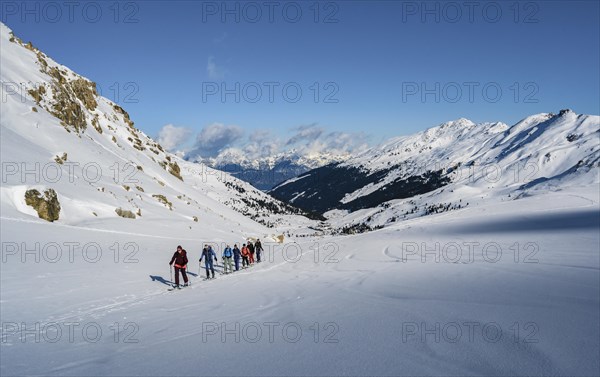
point(574, 220)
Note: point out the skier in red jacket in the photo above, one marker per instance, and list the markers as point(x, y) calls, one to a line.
point(245, 256)
point(180, 260)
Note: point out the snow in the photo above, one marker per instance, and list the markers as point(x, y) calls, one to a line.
point(294, 179)
point(87, 295)
point(297, 196)
point(372, 304)
point(296, 157)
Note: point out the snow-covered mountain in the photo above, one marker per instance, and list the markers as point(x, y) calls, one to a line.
point(266, 172)
point(86, 294)
point(89, 164)
point(450, 166)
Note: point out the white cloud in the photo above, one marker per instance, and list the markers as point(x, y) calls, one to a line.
point(214, 71)
point(214, 138)
point(306, 133)
point(172, 137)
point(227, 143)
point(312, 139)
point(260, 144)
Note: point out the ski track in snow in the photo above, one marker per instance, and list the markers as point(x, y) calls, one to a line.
point(122, 303)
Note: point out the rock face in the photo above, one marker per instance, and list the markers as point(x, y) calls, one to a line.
point(125, 213)
point(163, 199)
point(47, 205)
point(175, 170)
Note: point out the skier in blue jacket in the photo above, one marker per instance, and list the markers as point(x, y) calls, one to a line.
point(209, 254)
point(227, 254)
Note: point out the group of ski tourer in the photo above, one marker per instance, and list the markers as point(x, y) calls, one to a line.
point(231, 257)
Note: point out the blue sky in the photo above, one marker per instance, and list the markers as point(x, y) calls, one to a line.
point(362, 67)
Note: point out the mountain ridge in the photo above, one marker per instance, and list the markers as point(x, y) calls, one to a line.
point(413, 175)
point(53, 120)
point(266, 172)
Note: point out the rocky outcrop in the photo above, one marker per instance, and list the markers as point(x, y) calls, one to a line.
point(47, 205)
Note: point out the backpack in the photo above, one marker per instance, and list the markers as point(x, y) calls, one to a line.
point(227, 253)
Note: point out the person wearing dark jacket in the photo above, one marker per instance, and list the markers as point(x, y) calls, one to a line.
point(209, 254)
point(258, 247)
point(180, 259)
point(251, 249)
point(237, 254)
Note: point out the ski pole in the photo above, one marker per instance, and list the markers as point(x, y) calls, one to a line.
point(171, 270)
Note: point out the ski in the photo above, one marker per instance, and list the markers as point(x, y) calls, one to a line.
point(172, 288)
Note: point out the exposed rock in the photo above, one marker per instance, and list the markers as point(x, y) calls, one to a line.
point(55, 73)
point(96, 124)
point(125, 213)
point(175, 170)
point(47, 206)
point(85, 91)
point(120, 110)
point(61, 159)
point(564, 111)
point(163, 200)
point(67, 109)
point(43, 63)
point(38, 94)
point(68, 97)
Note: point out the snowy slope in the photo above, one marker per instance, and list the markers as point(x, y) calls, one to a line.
point(51, 111)
point(354, 305)
point(448, 166)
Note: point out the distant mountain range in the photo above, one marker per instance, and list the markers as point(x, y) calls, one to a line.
point(265, 173)
point(449, 167)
